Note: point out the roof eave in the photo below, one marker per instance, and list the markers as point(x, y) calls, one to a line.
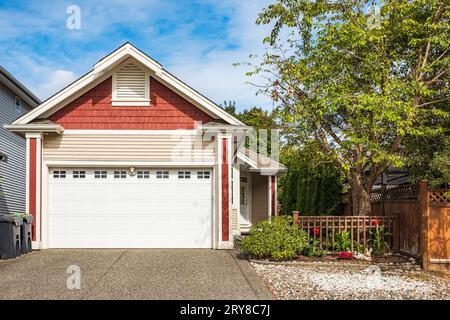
point(269, 171)
point(39, 128)
point(18, 88)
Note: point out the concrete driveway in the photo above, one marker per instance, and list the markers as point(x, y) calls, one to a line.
point(131, 274)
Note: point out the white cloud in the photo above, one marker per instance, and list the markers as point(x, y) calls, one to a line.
point(55, 81)
point(213, 73)
point(165, 30)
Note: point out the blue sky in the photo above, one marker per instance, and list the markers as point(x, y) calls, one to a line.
point(198, 41)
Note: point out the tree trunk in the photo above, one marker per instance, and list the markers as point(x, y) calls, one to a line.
point(360, 196)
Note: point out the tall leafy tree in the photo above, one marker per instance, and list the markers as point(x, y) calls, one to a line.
point(358, 82)
point(255, 117)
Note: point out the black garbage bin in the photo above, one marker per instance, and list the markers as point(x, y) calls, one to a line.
point(25, 233)
point(10, 236)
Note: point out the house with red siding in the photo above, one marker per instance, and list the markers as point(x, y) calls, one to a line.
point(129, 156)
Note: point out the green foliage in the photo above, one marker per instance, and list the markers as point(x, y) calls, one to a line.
point(314, 249)
point(256, 118)
point(358, 89)
point(342, 241)
point(312, 185)
point(358, 247)
point(278, 239)
point(378, 240)
point(229, 107)
point(429, 160)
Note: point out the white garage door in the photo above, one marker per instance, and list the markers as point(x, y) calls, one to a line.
point(109, 208)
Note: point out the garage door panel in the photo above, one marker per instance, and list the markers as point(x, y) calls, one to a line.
point(123, 207)
point(130, 212)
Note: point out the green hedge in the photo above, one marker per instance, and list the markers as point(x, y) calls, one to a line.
point(312, 186)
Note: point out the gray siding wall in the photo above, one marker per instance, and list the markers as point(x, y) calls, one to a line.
point(260, 200)
point(12, 173)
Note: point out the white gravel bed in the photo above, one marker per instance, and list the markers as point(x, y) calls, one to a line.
point(330, 283)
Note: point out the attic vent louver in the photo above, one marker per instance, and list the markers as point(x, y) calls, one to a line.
point(131, 86)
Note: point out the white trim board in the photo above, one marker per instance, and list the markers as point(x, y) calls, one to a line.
point(134, 132)
point(126, 164)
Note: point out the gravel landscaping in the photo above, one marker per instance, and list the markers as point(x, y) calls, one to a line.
point(331, 283)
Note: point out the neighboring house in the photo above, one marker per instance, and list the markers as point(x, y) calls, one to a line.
point(129, 156)
point(393, 177)
point(15, 100)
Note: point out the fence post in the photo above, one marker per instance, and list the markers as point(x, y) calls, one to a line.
point(295, 216)
point(424, 211)
point(383, 199)
point(396, 231)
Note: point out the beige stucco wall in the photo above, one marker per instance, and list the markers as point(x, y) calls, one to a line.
point(260, 207)
point(126, 147)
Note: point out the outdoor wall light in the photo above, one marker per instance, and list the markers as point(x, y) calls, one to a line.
point(132, 171)
point(3, 157)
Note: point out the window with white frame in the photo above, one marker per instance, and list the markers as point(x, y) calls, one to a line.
point(18, 104)
point(184, 174)
point(203, 175)
point(79, 174)
point(162, 174)
point(100, 174)
point(59, 174)
point(131, 85)
point(122, 174)
point(143, 174)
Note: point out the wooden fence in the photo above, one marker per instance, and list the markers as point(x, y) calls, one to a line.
point(421, 221)
point(325, 228)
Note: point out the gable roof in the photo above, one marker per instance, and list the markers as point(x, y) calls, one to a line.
point(102, 69)
point(18, 88)
point(260, 163)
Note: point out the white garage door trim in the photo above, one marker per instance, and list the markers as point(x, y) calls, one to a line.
point(184, 218)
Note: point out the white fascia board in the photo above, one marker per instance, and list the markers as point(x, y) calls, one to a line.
point(57, 98)
point(269, 171)
point(124, 53)
point(56, 128)
point(247, 160)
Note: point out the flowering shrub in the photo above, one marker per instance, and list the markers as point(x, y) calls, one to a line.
point(278, 239)
point(345, 255)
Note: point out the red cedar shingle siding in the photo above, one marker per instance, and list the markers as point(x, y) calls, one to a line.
point(93, 110)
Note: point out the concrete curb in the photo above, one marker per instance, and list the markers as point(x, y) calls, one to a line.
point(255, 281)
point(383, 266)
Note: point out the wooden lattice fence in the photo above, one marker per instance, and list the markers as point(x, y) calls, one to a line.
point(421, 221)
point(325, 229)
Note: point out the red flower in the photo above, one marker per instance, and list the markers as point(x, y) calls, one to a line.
point(376, 222)
point(316, 231)
point(345, 255)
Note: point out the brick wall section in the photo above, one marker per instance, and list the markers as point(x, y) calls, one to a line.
point(93, 110)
